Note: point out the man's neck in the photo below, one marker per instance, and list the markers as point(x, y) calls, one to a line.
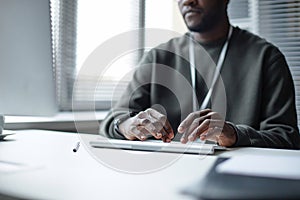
point(217, 33)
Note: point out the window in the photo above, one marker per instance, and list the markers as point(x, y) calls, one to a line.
point(99, 21)
point(64, 20)
point(85, 25)
point(241, 13)
point(79, 27)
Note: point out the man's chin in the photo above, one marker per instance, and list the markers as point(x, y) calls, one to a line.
point(200, 28)
point(196, 29)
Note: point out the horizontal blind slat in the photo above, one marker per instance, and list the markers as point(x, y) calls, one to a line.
point(279, 22)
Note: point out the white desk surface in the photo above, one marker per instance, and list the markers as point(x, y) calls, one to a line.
point(54, 171)
point(59, 117)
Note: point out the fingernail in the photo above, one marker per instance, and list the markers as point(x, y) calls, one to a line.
point(180, 129)
point(158, 134)
point(143, 137)
point(182, 140)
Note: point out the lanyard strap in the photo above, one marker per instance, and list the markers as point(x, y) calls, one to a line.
point(216, 74)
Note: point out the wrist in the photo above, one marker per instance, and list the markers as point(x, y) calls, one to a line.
point(119, 122)
point(233, 133)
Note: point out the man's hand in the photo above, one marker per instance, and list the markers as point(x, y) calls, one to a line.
point(207, 125)
point(146, 124)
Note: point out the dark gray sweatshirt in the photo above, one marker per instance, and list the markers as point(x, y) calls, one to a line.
point(255, 92)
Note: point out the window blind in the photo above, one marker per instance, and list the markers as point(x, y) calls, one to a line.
point(78, 27)
point(238, 9)
point(64, 21)
point(98, 22)
point(279, 22)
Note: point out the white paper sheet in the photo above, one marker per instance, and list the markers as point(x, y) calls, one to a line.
point(286, 167)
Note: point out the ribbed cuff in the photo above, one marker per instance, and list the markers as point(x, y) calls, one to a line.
point(243, 139)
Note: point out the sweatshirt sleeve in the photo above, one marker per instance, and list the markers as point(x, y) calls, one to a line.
point(135, 98)
point(278, 118)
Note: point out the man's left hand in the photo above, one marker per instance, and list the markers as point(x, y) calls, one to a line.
point(207, 125)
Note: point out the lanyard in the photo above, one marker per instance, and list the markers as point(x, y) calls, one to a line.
point(216, 74)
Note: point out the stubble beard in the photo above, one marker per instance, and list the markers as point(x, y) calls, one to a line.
point(207, 23)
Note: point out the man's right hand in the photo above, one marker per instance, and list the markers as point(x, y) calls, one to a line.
point(146, 124)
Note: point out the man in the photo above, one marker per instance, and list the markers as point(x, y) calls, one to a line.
point(257, 107)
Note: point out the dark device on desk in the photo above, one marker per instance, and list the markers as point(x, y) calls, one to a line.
point(219, 186)
point(26, 72)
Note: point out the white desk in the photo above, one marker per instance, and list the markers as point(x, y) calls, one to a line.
point(54, 171)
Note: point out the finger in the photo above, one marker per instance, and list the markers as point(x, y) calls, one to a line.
point(210, 115)
point(157, 119)
point(157, 115)
point(186, 123)
point(165, 137)
point(193, 132)
point(158, 134)
point(203, 135)
point(215, 129)
point(224, 136)
point(154, 130)
point(184, 138)
point(153, 127)
point(144, 134)
point(141, 122)
point(209, 123)
point(158, 126)
point(160, 123)
point(202, 128)
point(168, 128)
point(165, 128)
point(141, 115)
point(186, 135)
point(196, 129)
point(138, 134)
point(213, 134)
point(168, 140)
point(197, 132)
point(129, 134)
